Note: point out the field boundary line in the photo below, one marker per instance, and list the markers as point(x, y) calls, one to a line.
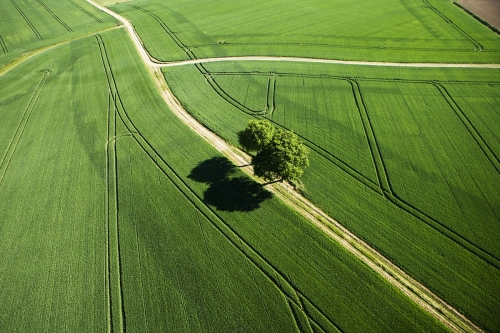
point(54, 16)
point(37, 34)
point(417, 292)
point(16, 138)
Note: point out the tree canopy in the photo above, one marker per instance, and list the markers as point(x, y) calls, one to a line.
point(256, 135)
point(280, 154)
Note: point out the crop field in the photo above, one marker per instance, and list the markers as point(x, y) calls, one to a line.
point(410, 164)
point(116, 216)
point(387, 30)
point(31, 24)
point(113, 218)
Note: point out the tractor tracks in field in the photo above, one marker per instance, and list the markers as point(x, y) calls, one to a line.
point(114, 282)
point(421, 295)
point(160, 64)
point(37, 34)
point(98, 20)
point(16, 138)
point(382, 185)
point(3, 45)
point(313, 313)
point(57, 18)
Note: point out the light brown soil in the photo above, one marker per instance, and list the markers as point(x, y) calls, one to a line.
point(488, 10)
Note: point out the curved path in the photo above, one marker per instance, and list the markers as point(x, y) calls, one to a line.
point(417, 292)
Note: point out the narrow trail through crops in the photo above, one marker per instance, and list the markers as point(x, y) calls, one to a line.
point(393, 274)
point(319, 61)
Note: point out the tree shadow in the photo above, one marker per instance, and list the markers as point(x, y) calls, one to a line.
point(227, 191)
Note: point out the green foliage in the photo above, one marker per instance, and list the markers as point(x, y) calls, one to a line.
point(279, 153)
point(256, 135)
point(283, 158)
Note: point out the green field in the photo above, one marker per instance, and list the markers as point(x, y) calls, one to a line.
point(409, 164)
point(384, 30)
point(115, 216)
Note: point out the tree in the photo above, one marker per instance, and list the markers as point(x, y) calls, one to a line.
point(256, 135)
point(280, 153)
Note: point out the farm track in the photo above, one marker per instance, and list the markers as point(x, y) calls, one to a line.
point(393, 274)
point(54, 16)
point(37, 34)
point(116, 312)
point(16, 138)
point(469, 125)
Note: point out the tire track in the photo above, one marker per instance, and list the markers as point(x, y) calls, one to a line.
point(138, 249)
point(378, 162)
point(271, 94)
point(2, 44)
point(16, 138)
point(477, 45)
point(86, 11)
point(169, 31)
point(54, 16)
point(37, 34)
point(116, 309)
point(471, 129)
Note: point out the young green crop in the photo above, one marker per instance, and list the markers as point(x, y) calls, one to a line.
point(395, 179)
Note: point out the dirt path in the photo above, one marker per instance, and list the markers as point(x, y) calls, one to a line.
point(393, 274)
point(322, 61)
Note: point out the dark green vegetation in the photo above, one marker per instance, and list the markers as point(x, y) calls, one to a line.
point(279, 154)
point(111, 219)
point(383, 30)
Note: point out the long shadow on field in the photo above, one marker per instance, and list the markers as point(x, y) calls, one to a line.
point(227, 191)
